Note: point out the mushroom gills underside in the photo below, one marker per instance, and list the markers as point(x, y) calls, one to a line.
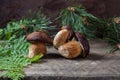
point(60, 38)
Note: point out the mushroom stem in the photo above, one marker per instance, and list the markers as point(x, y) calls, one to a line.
point(71, 49)
point(36, 49)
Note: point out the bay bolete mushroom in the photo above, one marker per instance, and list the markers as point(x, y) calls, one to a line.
point(38, 41)
point(71, 44)
point(64, 35)
point(74, 48)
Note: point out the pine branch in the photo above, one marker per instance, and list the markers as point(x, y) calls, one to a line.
point(78, 18)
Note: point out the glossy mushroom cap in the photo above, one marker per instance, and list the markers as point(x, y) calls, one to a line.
point(84, 43)
point(39, 36)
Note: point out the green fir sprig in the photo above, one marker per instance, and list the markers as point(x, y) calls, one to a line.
point(79, 19)
point(13, 45)
point(25, 26)
point(13, 66)
point(13, 57)
point(113, 35)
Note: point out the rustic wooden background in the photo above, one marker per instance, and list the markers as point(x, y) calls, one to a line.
point(15, 9)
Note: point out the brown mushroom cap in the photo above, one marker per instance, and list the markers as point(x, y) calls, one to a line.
point(39, 36)
point(84, 43)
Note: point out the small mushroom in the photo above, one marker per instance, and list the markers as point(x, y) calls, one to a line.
point(84, 43)
point(64, 35)
point(71, 49)
point(38, 41)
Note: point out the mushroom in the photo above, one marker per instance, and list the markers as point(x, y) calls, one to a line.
point(71, 44)
point(64, 35)
point(71, 49)
point(74, 48)
point(38, 41)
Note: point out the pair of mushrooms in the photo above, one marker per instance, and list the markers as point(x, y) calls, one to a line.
point(70, 44)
